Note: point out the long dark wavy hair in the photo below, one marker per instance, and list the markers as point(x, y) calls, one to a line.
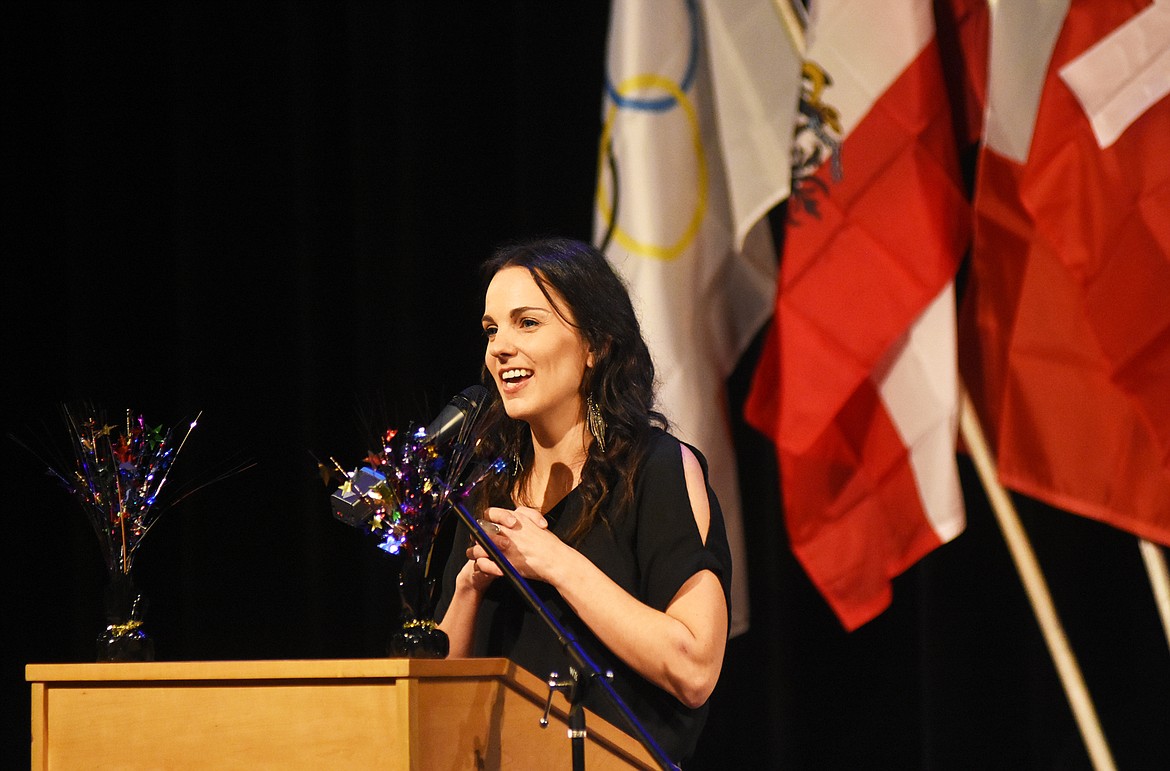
point(583, 289)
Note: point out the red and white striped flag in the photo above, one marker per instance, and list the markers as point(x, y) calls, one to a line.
point(857, 384)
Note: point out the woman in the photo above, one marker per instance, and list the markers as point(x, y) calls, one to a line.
point(608, 516)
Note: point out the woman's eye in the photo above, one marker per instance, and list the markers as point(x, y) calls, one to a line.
point(529, 323)
point(489, 332)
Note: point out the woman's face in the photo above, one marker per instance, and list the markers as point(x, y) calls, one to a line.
point(536, 358)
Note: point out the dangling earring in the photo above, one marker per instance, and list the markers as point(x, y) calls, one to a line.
point(517, 466)
point(596, 422)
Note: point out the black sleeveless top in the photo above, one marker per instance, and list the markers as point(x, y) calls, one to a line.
point(650, 552)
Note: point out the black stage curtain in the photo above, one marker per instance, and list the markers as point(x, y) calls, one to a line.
point(272, 213)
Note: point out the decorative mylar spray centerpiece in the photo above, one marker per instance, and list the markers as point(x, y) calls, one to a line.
point(118, 473)
point(401, 495)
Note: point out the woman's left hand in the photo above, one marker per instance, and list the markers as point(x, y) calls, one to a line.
point(523, 536)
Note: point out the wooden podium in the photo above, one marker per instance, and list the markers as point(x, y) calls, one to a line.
point(320, 714)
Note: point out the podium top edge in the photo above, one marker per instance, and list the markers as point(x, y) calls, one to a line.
point(286, 669)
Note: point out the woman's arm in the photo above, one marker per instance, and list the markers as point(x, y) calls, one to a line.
point(679, 650)
point(459, 620)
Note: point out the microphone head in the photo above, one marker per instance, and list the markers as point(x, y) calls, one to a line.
point(470, 397)
point(451, 419)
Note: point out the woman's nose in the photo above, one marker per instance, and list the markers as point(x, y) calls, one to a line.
point(500, 344)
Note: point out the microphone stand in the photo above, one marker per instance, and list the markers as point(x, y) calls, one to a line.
point(583, 672)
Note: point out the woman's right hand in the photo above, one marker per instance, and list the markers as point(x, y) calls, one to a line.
point(471, 577)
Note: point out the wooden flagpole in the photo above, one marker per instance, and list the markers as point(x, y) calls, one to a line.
point(1155, 562)
point(1037, 589)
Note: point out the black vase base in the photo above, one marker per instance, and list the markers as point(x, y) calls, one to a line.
point(135, 645)
point(419, 642)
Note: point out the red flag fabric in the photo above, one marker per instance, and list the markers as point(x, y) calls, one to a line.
point(857, 381)
point(1066, 341)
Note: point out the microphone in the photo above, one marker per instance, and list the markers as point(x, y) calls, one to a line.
point(450, 420)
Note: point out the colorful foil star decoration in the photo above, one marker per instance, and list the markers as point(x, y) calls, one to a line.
point(118, 475)
point(403, 489)
point(399, 494)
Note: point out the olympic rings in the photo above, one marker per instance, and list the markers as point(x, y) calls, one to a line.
point(672, 251)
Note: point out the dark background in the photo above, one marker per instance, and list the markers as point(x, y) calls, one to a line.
point(272, 213)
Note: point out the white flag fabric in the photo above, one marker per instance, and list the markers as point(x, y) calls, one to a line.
point(1128, 72)
point(697, 123)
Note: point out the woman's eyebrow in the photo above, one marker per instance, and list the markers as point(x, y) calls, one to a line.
point(528, 309)
point(517, 312)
